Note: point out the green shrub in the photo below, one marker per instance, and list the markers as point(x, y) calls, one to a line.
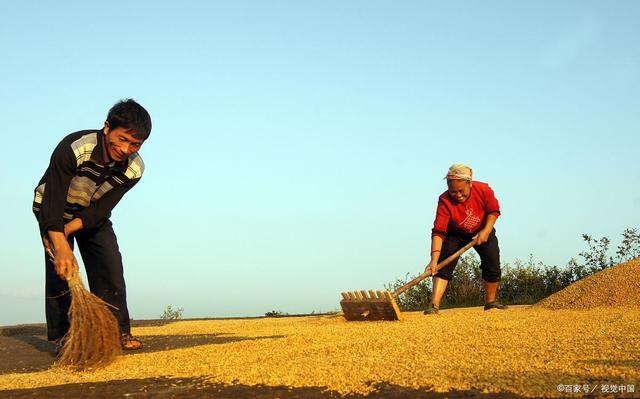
point(275, 313)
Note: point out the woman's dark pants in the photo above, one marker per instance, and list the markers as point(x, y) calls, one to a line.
point(489, 253)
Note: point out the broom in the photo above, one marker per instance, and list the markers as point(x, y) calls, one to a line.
point(93, 339)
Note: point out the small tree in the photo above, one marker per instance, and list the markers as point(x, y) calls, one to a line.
point(630, 247)
point(171, 314)
point(575, 271)
point(596, 256)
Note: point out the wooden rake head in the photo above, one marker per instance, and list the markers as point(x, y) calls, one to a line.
point(370, 305)
point(381, 305)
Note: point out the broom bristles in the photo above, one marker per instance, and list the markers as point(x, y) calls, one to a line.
point(93, 339)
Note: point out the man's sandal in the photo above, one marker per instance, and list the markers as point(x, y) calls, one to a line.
point(59, 344)
point(129, 342)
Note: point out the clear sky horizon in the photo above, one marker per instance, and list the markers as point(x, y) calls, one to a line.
point(298, 148)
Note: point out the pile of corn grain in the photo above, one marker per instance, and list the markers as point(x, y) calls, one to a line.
point(617, 286)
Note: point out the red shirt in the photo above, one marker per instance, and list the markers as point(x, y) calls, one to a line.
point(466, 217)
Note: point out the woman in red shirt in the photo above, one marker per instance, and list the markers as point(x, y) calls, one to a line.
point(468, 208)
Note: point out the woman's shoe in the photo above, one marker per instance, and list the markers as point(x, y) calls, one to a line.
point(432, 309)
point(494, 305)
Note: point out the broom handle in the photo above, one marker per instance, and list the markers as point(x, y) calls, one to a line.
point(440, 266)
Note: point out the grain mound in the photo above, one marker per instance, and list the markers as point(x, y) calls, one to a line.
point(617, 286)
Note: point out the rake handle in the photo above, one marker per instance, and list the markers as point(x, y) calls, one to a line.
point(442, 264)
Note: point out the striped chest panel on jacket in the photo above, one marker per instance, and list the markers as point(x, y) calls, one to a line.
point(92, 179)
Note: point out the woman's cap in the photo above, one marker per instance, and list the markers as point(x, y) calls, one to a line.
point(459, 171)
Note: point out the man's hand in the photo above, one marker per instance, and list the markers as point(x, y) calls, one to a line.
point(48, 248)
point(483, 236)
point(66, 265)
point(72, 227)
point(64, 261)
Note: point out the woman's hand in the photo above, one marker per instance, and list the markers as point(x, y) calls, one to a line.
point(432, 266)
point(483, 236)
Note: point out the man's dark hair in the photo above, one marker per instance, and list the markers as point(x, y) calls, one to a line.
point(130, 115)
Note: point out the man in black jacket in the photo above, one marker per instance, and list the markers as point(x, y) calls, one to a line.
point(88, 174)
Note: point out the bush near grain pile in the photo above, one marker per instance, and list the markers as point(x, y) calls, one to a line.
point(522, 282)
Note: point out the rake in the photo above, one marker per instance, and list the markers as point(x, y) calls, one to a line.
point(381, 305)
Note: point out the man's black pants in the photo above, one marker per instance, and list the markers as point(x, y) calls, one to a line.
point(103, 265)
point(489, 253)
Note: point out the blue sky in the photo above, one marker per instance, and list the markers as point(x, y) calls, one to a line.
point(298, 148)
